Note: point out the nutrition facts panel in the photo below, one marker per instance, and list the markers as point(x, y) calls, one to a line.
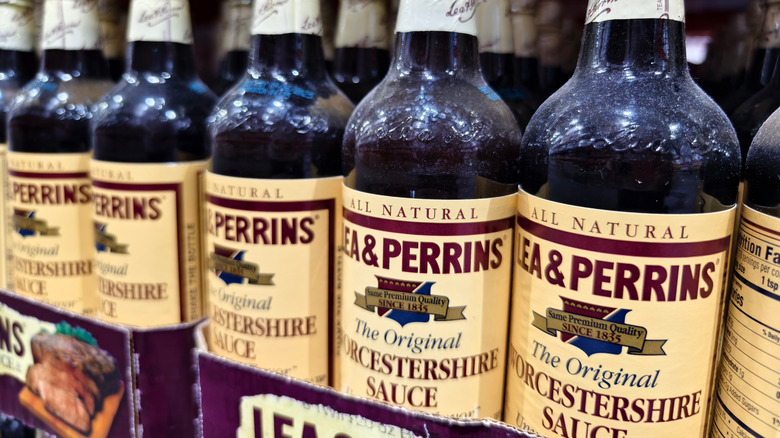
point(747, 399)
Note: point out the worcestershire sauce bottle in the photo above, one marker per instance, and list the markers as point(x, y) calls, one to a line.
point(625, 217)
point(273, 199)
point(48, 161)
point(746, 400)
point(18, 64)
point(362, 47)
point(151, 146)
point(235, 43)
point(430, 158)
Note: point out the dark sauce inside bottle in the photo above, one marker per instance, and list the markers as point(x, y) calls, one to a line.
point(433, 128)
point(357, 70)
point(630, 131)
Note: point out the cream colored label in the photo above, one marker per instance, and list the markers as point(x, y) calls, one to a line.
point(271, 248)
point(147, 236)
point(18, 27)
point(523, 6)
point(615, 320)
point(71, 25)
point(275, 17)
point(16, 333)
point(437, 15)
point(52, 224)
point(362, 23)
point(159, 20)
point(424, 308)
point(237, 22)
point(605, 10)
point(747, 402)
point(770, 31)
point(524, 33)
point(270, 416)
point(495, 27)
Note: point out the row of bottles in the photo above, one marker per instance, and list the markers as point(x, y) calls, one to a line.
point(395, 226)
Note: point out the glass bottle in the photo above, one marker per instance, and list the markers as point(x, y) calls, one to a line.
point(276, 141)
point(745, 399)
point(497, 57)
point(430, 158)
point(235, 44)
point(548, 24)
point(526, 50)
point(150, 147)
point(48, 161)
point(762, 58)
point(362, 56)
point(18, 64)
point(112, 33)
point(630, 176)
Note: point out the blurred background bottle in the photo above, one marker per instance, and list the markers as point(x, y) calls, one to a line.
point(113, 24)
point(49, 152)
point(234, 43)
point(362, 47)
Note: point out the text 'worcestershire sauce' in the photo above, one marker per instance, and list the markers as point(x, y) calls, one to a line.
point(746, 400)
point(18, 64)
point(624, 227)
point(48, 161)
point(430, 158)
point(151, 146)
point(273, 198)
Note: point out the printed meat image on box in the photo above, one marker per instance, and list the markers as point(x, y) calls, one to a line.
point(73, 385)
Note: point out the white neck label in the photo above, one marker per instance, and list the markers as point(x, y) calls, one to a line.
point(605, 10)
point(276, 17)
point(495, 27)
point(70, 25)
point(362, 23)
point(16, 27)
point(160, 21)
point(438, 16)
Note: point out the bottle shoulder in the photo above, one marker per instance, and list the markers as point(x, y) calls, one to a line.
point(50, 96)
point(661, 116)
point(272, 104)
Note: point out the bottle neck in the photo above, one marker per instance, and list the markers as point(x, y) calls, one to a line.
point(436, 54)
point(18, 64)
point(637, 46)
point(285, 54)
point(162, 58)
point(75, 63)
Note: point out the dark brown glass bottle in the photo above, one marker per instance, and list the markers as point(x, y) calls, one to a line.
point(18, 64)
point(497, 58)
point(749, 116)
point(629, 141)
point(526, 50)
point(112, 33)
point(276, 140)
point(548, 24)
point(362, 56)
point(432, 137)
point(48, 133)
point(235, 44)
point(762, 59)
point(150, 144)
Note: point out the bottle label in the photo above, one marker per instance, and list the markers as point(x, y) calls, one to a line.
point(147, 235)
point(605, 10)
point(615, 320)
point(458, 16)
point(111, 29)
point(51, 244)
point(71, 25)
point(159, 21)
point(271, 246)
point(362, 23)
point(495, 27)
point(18, 27)
point(276, 17)
point(6, 223)
point(238, 17)
point(524, 33)
point(748, 391)
point(424, 308)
